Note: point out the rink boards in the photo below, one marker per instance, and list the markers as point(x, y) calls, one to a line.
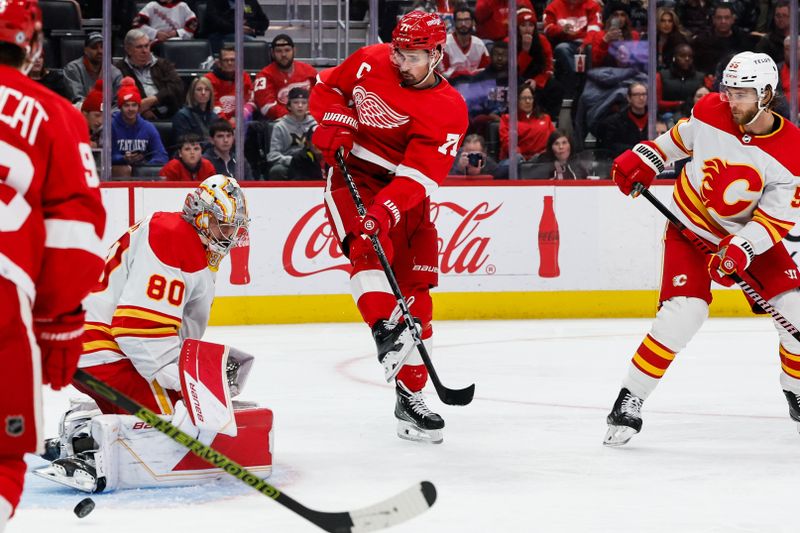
point(490, 252)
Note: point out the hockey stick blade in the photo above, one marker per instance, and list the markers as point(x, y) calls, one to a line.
point(395, 510)
point(446, 395)
point(701, 245)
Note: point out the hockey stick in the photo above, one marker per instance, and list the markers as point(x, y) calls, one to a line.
point(448, 396)
point(701, 245)
point(399, 508)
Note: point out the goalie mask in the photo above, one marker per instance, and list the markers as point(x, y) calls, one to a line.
point(21, 25)
point(218, 211)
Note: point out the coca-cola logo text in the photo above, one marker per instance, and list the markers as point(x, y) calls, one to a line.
point(464, 251)
point(312, 248)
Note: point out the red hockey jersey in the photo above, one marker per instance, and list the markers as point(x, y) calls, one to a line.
point(413, 133)
point(51, 216)
point(225, 93)
point(272, 86)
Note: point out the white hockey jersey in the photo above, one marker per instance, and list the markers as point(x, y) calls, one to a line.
point(156, 290)
point(735, 183)
point(155, 17)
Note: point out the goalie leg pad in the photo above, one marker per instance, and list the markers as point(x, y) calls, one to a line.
point(132, 454)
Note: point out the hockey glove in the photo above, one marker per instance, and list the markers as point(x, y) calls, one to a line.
point(734, 256)
point(379, 219)
point(60, 342)
point(335, 131)
point(640, 164)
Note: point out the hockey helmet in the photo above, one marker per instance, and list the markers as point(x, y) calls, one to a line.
point(751, 70)
point(21, 25)
point(419, 30)
point(218, 211)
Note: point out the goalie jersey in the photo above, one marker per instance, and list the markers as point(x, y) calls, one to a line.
point(155, 291)
point(735, 183)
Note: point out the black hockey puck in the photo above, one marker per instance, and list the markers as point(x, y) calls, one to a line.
point(84, 507)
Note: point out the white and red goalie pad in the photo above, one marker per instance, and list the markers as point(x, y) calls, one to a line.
point(205, 383)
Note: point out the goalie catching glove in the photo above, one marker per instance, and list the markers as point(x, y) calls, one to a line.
point(733, 257)
point(335, 131)
point(640, 164)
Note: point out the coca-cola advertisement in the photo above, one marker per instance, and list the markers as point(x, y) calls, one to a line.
point(514, 238)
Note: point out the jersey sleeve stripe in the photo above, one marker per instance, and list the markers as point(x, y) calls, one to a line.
point(774, 234)
point(132, 311)
point(675, 135)
point(98, 337)
point(784, 224)
point(689, 202)
point(121, 331)
point(73, 234)
point(96, 346)
point(427, 183)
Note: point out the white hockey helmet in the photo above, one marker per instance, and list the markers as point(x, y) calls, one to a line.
point(751, 70)
point(218, 211)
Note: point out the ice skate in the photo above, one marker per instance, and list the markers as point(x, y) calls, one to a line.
point(414, 420)
point(625, 419)
point(77, 472)
point(794, 406)
point(394, 342)
point(74, 434)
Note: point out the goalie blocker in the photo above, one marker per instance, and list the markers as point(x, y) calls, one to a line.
point(97, 452)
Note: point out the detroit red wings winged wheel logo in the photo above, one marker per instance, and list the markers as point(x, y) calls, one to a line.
point(729, 188)
point(373, 111)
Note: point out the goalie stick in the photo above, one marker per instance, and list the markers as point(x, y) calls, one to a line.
point(447, 395)
point(701, 245)
point(399, 508)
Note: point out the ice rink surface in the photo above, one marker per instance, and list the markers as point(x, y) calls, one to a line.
point(718, 452)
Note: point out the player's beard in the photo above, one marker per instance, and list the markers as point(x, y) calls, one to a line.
point(744, 117)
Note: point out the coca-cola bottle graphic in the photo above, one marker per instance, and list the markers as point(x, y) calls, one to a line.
point(548, 241)
point(240, 259)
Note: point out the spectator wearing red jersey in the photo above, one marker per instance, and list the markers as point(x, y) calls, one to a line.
point(566, 24)
point(605, 42)
point(190, 165)
point(535, 63)
point(491, 17)
point(274, 82)
point(222, 79)
point(464, 53)
point(533, 127)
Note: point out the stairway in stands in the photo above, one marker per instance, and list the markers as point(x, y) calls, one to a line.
point(319, 40)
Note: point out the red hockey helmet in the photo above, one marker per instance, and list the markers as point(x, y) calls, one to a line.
point(20, 21)
point(418, 30)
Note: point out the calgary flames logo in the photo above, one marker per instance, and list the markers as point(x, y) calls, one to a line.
point(729, 188)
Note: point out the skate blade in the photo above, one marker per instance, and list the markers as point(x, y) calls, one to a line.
point(82, 481)
point(618, 435)
point(408, 431)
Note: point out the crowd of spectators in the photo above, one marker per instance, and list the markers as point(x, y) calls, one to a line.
point(581, 74)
